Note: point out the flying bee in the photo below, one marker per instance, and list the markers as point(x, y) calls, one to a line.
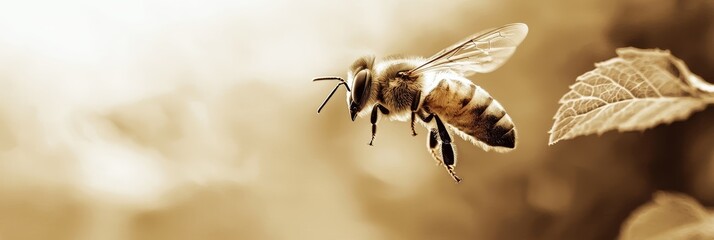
point(436, 93)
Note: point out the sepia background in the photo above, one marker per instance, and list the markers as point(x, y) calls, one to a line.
point(197, 120)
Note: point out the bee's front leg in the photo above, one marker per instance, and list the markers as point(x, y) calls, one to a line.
point(374, 118)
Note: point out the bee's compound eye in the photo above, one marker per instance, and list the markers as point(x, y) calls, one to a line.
point(361, 85)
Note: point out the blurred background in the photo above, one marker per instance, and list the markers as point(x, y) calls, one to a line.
point(197, 120)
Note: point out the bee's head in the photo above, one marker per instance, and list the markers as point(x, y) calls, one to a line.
point(358, 84)
point(360, 78)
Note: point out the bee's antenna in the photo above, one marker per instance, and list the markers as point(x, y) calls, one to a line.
point(332, 78)
point(342, 82)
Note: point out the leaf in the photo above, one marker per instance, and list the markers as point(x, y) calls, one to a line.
point(635, 91)
point(669, 217)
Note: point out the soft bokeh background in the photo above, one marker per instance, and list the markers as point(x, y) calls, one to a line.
point(196, 120)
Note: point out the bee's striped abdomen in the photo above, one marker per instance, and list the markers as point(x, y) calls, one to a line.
point(473, 112)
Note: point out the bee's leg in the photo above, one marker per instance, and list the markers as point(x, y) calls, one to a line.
point(415, 106)
point(432, 142)
point(413, 131)
point(447, 150)
point(373, 119)
point(426, 119)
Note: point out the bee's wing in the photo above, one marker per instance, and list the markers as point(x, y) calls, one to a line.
point(480, 53)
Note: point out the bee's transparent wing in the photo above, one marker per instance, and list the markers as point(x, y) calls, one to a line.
point(480, 53)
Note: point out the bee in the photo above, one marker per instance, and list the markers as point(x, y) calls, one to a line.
point(436, 93)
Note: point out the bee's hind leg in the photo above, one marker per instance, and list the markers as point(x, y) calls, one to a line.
point(439, 143)
point(447, 150)
point(374, 118)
